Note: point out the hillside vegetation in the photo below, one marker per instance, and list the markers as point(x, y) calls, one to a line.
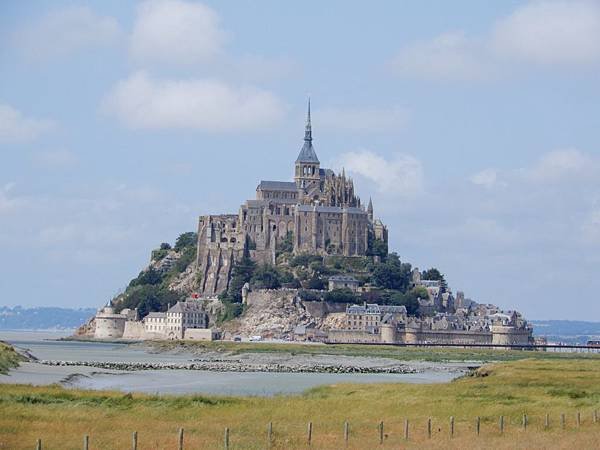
point(9, 358)
point(61, 417)
point(154, 289)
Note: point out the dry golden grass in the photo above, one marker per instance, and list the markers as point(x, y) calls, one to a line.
point(534, 387)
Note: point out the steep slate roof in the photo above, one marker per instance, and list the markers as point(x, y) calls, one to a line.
point(181, 307)
point(157, 314)
point(348, 278)
point(277, 186)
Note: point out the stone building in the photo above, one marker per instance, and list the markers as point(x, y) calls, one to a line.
point(184, 315)
point(370, 316)
point(342, 282)
point(319, 211)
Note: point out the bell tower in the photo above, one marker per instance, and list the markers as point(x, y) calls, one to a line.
point(307, 164)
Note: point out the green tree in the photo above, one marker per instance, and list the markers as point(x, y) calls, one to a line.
point(265, 277)
point(408, 300)
point(436, 275)
point(344, 295)
point(392, 274)
point(316, 283)
point(149, 276)
point(285, 245)
point(241, 273)
point(188, 239)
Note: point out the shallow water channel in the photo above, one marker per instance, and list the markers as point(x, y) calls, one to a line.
point(177, 381)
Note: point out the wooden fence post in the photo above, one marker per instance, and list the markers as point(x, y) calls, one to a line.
point(38, 445)
point(562, 420)
point(134, 441)
point(524, 421)
point(547, 421)
point(478, 425)
point(269, 434)
point(226, 439)
point(406, 429)
point(346, 432)
point(86, 442)
point(451, 426)
point(429, 428)
point(181, 439)
point(501, 424)
point(309, 431)
point(381, 432)
point(578, 418)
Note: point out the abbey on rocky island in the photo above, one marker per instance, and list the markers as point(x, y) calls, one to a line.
point(319, 211)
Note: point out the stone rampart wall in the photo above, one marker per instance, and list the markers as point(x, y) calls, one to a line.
point(347, 336)
point(134, 330)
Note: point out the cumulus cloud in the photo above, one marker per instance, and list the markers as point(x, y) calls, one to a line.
point(550, 32)
point(450, 56)
point(210, 105)
point(66, 31)
point(401, 175)
point(487, 178)
point(560, 164)
point(8, 202)
point(365, 119)
point(14, 126)
point(175, 32)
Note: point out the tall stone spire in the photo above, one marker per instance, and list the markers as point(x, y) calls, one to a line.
point(307, 152)
point(370, 210)
point(308, 128)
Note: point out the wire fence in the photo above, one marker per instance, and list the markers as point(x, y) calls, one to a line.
point(499, 428)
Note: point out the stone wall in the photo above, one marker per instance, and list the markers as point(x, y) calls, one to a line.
point(134, 330)
point(446, 337)
point(346, 336)
point(322, 309)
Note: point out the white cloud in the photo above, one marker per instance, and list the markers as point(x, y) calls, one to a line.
point(560, 164)
point(590, 228)
point(365, 119)
point(450, 56)
point(60, 158)
point(16, 127)
point(551, 32)
point(203, 104)
point(402, 175)
point(541, 33)
point(486, 178)
point(8, 203)
point(175, 32)
point(66, 31)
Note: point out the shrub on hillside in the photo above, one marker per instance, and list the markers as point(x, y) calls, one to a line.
point(340, 296)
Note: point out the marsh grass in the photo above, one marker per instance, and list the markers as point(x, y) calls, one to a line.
point(534, 387)
point(9, 358)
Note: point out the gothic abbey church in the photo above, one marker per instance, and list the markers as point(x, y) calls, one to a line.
point(319, 210)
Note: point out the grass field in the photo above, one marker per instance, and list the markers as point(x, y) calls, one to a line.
point(531, 386)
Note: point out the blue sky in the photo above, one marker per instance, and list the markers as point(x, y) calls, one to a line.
point(473, 125)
